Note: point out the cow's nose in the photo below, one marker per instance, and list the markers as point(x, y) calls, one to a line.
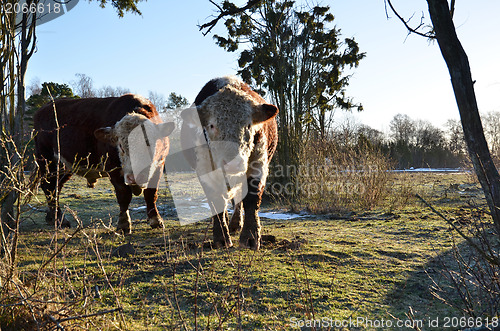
point(129, 179)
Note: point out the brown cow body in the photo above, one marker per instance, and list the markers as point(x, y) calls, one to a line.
point(241, 131)
point(80, 151)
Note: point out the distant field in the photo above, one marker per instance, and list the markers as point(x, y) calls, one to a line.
point(362, 268)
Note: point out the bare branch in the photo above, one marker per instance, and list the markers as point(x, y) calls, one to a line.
point(223, 13)
point(216, 5)
point(429, 35)
point(99, 313)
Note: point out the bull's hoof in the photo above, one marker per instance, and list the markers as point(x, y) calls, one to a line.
point(155, 222)
point(91, 183)
point(126, 230)
point(124, 223)
point(250, 241)
point(62, 222)
point(221, 243)
point(65, 223)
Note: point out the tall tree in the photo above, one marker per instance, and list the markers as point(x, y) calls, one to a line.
point(122, 6)
point(456, 142)
point(296, 55)
point(176, 101)
point(402, 129)
point(492, 132)
point(455, 57)
point(47, 91)
point(84, 86)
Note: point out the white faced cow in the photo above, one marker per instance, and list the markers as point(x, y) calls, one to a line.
point(241, 134)
point(99, 137)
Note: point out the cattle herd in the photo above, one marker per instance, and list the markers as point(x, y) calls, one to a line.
point(228, 137)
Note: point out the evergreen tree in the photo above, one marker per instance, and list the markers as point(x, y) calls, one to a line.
point(176, 101)
point(296, 55)
point(48, 92)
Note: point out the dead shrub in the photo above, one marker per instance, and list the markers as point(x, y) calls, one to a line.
point(334, 178)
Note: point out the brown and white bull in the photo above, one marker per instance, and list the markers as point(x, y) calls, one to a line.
point(102, 137)
point(240, 131)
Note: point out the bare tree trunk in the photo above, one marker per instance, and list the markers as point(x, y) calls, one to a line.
point(12, 122)
point(463, 87)
point(8, 110)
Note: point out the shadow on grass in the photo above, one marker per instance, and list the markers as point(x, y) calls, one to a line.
point(432, 296)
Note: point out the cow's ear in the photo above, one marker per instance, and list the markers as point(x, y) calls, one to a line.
point(263, 113)
point(188, 114)
point(190, 117)
point(166, 128)
point(106, 135)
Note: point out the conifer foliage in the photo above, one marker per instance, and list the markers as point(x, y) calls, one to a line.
point(298, 58)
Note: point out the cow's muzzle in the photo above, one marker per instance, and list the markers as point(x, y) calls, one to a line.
point(130, 179)
point(140, 180)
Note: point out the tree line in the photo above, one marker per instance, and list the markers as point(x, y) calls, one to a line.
point(83, 87)
point(408, 142)
point(418, 143)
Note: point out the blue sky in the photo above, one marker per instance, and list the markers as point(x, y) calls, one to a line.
point(163, 51)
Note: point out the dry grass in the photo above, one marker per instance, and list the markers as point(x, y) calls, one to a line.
point(372, 265)
point(334, 178)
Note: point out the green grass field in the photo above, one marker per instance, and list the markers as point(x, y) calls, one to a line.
point(375, 269)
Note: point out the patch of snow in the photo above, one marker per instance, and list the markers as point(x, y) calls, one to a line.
point(279, 216)
point(430, 170)
point(274, 215)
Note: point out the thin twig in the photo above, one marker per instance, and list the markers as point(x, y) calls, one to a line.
point(102, 312)
point(53, 319)
point(60, 249)
point(410, 29)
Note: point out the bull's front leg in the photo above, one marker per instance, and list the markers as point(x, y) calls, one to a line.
point(154, 218)
point(250, 234)
point(221, 231)
point(237, 219)
point(221, 235)
point(123, 196)
point(48, 173)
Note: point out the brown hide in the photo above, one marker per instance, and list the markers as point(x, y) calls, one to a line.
point(80, 150)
